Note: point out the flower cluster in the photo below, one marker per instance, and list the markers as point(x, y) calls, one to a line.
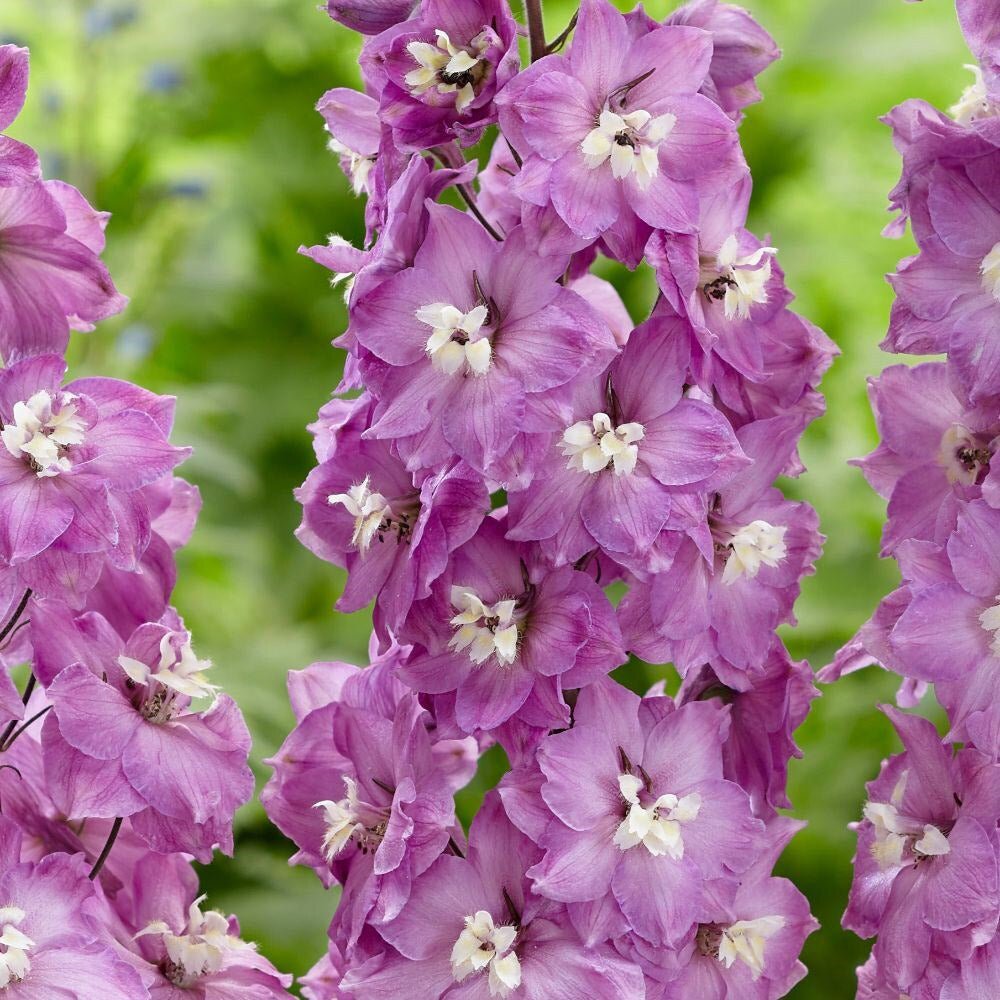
point(120, 762)
point(507, 443)
point(926, 868)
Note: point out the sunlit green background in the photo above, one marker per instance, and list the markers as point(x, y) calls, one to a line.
point(192, 121)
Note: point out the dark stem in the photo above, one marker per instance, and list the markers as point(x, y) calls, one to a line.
point(10, 736)
point(469, 199)
point(560, 40)
point(10, 638)
point(108, 844)
point(28, 689)
point(9, 627)
point(536, 29)
point(7, 733)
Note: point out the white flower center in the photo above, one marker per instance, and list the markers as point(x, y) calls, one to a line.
point(630, 141)
point(200, 950)
point(482, 944)
point(893, 830)
point(974, 104)
point(745, 940)
point(456, 343)
point(369, 510)
point(452, 70)
point(43, 428)
point(345, 278)
point(656, 827)
point(990, 621)
point(341, 820)
point(962, 455)
point(990, 270)
point(351, 819)
point(739, 281)
point(754, 545)
point(179, 671)
point(592, 446)
point(359, 166)
point(484, 630)
point(14, 947)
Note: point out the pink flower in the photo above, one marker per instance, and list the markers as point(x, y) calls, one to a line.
point(508, 635)
point(73, 463)
point(393, 532)
point(627, 447)
point(124, 739)
point(17, 161)
point(474, 921)
point(615, 134)
point(948, 295)
point(54, 934)
point(438, 73)
point(926, 868)
point(363, 790)
point(641, 813)
point(934, 456)
point(460, 341)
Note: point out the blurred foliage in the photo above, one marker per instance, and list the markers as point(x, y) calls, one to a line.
point(193, 123)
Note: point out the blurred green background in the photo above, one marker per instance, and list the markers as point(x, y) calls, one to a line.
point(193, 123)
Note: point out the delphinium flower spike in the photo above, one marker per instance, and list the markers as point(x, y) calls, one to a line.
point(120, 761)
point(926, 882)
point(519, 444)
